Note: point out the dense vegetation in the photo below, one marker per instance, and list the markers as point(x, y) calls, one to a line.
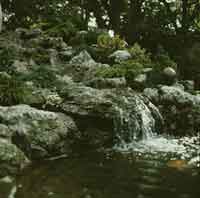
point(170, 25)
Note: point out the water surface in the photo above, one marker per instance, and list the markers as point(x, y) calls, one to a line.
point(151, 170)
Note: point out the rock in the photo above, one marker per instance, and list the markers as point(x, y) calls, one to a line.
point(39, 134)
point(66, 54)
point(4, 76)
point(5, 132)
point(53, 57)
point(120, 55)
point(180, 109)
point(188, 85)
point(152, 94)
point(179, 86)
point(21, 67)
point(103, 83)
point(47, 42)
point(28, 34)
point(107, 112)
point(147, 70)
point(12, 158)
point(169, 75)
point(82, 67)
point(139, 82)
point(83, 59)
point(174, 95)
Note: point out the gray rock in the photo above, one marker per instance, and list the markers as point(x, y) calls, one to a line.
point(103, 83)
point(109, 112)
point(83, 59)
point(120, 55)
point(139, 81)
point(152, 94)
point(28, 34)
point(179, 86)
point(147, 70)
point(40, 134)
point(170, 72)
point(5, 132)
point(53, 57)
point(67, 53)
point(21, 67)
point(12, 158)
point(180, 109)
point(177, 96)
point(82, 67)
point(188, 85)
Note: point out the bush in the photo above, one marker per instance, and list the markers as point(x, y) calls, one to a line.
point(111, 43)
point(139, 54)
point(42, 76)
point(128, 69)
point(12, 90)
point(163, 60)
point(7, 57)
point(84, 38)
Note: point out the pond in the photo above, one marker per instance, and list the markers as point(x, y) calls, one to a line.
point(110, 174)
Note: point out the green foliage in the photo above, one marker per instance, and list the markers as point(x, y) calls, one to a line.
point(128, 69)
point(139, 54)
point(12, 90)
point(65, 29)
point(112, 43)
point(7, 56)
point(84, 38)
point(42, 76)
point(163, 60)
point(41, 58)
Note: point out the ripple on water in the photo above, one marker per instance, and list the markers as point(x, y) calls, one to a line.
point(185, 148)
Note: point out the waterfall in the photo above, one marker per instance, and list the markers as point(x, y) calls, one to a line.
point(136, 118)
point(137, 124)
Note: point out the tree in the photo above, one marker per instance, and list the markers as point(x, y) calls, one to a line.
point(1, 17)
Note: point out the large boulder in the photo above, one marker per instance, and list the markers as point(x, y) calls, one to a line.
point(180, 109)
point(40, 134)
point(110, 113)
point(83, 59)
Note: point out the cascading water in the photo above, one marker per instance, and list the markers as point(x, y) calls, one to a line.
point(137, 125)
point(137, 119)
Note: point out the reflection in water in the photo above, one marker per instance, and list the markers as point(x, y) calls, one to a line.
point(153, 168)
point(109, 176)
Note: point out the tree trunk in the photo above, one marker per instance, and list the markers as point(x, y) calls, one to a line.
point(1, 17)
point(135, 20)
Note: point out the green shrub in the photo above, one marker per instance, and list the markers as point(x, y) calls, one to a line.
point(128, 69)
point(84, 38)
point(163, 60)
point(12, 91)
point(41, 76)
point(140, 54)
point(7, 56)
point(107, 42)
point(65, 29)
